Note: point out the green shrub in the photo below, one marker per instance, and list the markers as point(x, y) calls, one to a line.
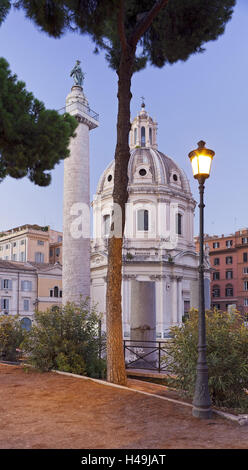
point(227, 358)
point(11, 336)
point(66, 339)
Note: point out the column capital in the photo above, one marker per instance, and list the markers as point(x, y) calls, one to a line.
point(127, 277)
point(157, 277)
point(175, 277)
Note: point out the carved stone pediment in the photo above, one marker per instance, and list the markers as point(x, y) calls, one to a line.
point(98, 259)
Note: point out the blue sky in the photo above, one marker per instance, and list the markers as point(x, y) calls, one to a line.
point(204, 98)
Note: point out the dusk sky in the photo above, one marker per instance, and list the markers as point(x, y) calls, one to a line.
point(205, 98)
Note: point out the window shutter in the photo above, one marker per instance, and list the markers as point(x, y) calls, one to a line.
point(10, 284)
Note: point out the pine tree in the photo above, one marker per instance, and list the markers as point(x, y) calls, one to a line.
point(32, 139)
point(165, 31)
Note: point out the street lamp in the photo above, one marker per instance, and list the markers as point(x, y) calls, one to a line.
point(201, 160)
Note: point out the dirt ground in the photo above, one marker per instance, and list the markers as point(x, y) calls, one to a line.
point(51, 411)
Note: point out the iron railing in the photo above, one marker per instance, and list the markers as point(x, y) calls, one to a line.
point(145, 355)
point(86, 109)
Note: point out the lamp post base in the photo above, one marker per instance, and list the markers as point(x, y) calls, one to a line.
point(203, 413)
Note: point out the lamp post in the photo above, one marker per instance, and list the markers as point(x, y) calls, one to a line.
point(201, 160)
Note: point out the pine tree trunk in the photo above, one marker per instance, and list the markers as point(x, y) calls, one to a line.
point(116, 371)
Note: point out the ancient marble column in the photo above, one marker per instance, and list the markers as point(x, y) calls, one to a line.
point(76, 210)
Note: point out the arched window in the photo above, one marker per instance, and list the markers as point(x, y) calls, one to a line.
point(56, 291)
point(143, 220)
point(229, 290)
point(216, 291)
point(179, 224)
point(143, 137)
point(106, 225)
point(150, 135)
point(26, 323)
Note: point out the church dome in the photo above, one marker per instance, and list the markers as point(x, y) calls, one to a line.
point(147, 165)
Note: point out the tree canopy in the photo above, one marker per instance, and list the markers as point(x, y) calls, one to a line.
point(178, 30)
point(32, 139)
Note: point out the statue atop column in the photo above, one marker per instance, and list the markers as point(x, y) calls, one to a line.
point(77, 74)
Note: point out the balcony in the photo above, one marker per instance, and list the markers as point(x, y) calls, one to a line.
point(74, 107)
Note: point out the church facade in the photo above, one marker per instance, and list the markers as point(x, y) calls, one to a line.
point(160, 263)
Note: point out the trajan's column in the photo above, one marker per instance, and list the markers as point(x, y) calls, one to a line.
point(76, 210)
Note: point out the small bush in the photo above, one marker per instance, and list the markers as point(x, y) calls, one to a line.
point(227, 358)
point(11, 336)
point(66, 339)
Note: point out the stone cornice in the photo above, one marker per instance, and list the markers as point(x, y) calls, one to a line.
point(86, 120)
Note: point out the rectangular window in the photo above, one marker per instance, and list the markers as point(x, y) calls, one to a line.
point(57, 251)
point(143, 220)
point(229, 274)
point(26, 305)
point(59, 238)
point(246, 302)
point(26, 286)
point(228, 259)
point(245, 257)
point(216, 261)
point(216, 306)
point(245, 285)
point(6, 284)
point(40, 242)
point(244, 240)
point(7, 247)
point(216, 275)
point(179, 224)
point(229, 243)
point(245, 270)
point(22, 256)
point(216, 245)
point(229, 292)
point(14, 257)
point(5, 304)
point(22, 242)
point(39, 257)
point(216, 292)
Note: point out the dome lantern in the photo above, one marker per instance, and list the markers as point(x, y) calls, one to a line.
point(144, 130)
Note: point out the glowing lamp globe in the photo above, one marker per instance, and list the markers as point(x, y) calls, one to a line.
point(201, 160)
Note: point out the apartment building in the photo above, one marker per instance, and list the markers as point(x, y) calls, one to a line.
point(26, 287)
point(28, 243)
point(229, 264)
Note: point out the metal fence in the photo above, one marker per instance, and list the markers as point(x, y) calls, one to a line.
point(86, 109)
point(145, 355)
point(149, 355)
